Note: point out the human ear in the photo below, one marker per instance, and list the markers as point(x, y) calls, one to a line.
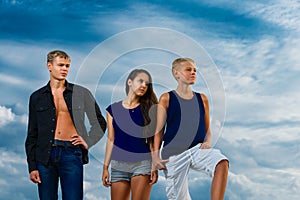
point(49, 66)
point(129, 82)
point(176, 74)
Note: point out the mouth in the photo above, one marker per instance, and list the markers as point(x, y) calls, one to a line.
point(142, 90)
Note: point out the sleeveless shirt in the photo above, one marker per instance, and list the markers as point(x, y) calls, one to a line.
point(185, 124)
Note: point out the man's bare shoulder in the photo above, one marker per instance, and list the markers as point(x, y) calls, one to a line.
point(164, 97)
point(204, 97)
point(164, 100)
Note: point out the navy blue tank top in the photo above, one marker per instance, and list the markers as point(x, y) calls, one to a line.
point(185, 124)
point(129, 144)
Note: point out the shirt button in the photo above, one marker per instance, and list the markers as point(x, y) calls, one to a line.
point(53, 119)
point(50, 141)
point(52, 131)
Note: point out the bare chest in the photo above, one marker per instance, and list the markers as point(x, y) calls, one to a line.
point(60, 103)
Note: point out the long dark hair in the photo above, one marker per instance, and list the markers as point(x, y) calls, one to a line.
point(146, 101)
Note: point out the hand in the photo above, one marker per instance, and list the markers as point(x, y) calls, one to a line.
point(105, 178)
point(78, 140)
point(158, 163)
point(205, 145)
point(153, 177)
point(35, 176)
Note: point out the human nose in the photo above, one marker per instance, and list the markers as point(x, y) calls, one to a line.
point(65, 68)
point(144, 84)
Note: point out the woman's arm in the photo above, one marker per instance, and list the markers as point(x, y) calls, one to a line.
point(108, 151)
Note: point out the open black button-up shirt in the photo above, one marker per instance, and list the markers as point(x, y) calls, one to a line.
point(42, 121)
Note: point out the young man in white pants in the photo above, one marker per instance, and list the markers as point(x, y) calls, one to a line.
point(187, 137)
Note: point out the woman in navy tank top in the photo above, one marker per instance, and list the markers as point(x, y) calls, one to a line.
point(130, 140)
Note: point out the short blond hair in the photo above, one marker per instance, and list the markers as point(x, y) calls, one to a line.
point(57, 53)
point(178, 62)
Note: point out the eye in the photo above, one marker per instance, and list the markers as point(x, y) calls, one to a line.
point(191, 69)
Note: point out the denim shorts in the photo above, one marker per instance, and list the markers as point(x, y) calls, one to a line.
point(124, 171)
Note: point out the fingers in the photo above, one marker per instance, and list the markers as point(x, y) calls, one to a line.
point(106, 182)
point(164, 161)
point(75, 139)
point(160, 165)
point(153, 177)
point(78, 140)
point(35, 176)
point(105, 178)
point(205, 145)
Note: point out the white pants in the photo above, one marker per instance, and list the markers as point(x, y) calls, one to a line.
point(204, 160)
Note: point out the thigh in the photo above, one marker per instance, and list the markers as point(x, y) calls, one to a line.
point(177, 176)
point(120, 190)
point(206, 160)
point(49, 182)
point(140, 187)
point(71, 173)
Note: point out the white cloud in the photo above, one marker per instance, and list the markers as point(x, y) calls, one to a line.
point(280, 13)
point(8, 79)
point(260, 78)
point(267, 184)
point(284, 13)
point(14, 178)
point(7, 116)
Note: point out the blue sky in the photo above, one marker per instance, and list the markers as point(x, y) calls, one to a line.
point(253, 44)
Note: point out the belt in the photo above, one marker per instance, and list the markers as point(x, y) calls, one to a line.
point(62, 143)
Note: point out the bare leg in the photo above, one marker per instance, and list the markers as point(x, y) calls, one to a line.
point(140, 187)
point(120, 190)
point(219, 181)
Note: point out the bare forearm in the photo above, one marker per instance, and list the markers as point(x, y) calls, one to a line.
point(208, 137)
point(108, 152)
point(157, 144)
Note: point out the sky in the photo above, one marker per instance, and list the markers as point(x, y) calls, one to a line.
point(247, 54)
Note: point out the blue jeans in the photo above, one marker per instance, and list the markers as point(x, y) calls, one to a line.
point(65, 165)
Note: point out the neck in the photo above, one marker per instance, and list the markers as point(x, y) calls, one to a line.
point(184, 91)
point(131, 101)
point(57, 84)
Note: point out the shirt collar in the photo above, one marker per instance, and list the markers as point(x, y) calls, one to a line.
point(47, 88)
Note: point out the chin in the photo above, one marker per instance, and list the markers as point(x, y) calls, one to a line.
point(140, 94)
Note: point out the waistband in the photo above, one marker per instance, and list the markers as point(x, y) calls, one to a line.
point(173, 151)
point(62, 143)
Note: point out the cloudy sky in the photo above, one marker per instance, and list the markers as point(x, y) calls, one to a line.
point(250, 67)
